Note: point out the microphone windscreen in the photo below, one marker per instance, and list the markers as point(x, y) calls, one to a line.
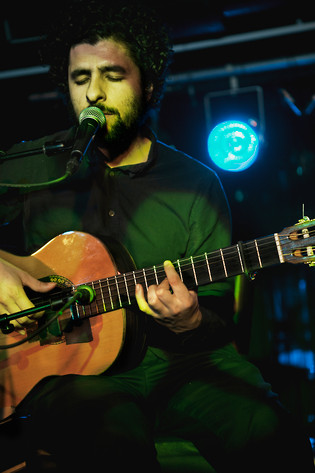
point(94, 113)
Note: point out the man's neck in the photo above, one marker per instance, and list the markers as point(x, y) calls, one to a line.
point(137, 152)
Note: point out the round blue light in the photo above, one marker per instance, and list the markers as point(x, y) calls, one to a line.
point(233, 145)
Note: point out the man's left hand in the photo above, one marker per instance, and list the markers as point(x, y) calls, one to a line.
point(171, 303)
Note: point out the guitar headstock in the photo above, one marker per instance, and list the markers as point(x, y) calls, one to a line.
point(298, 242)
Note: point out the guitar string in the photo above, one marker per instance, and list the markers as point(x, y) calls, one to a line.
point(118, 286)
point(150, 274)
point(213, 258)
point(119, 282)
point(217, 255)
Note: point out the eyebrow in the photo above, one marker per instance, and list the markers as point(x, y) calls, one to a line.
point(86, 72)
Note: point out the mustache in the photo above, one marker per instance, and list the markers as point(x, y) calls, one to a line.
point(107, 110)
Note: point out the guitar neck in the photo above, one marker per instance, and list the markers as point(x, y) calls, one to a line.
point(119, 291)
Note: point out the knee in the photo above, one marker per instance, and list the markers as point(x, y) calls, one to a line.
point(265, 422)
point(253, 425)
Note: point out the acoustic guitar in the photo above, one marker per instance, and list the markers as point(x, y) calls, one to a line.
point(109, 332)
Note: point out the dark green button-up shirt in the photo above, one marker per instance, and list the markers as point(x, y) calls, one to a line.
point(169, 207)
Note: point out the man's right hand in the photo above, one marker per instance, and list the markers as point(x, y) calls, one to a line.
point(12, 295)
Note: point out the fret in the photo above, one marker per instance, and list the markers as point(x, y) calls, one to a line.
point(127, 290)
point(258, 255)
point(118, 292)
point(102, 296)
point(224, 266)
point(240, 257)
point(269, 254)
point(208, 267)
point(95, 298)
point(180, 269)
point(281, 259)
point(232, 258)
point(74, 307)
point(110, 294)
point(134, 277)
point(194, 270)
point(216, 264)
point(155, 274)
point(251, 256)
point(199, 269)
point(74, 310)
point(80, 311)
point(145, 278)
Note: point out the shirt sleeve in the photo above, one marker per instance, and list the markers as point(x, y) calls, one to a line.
point(209, 230)
point(210, 226)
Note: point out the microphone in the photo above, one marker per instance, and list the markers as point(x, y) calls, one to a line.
point(84, 294)
point(90, 120)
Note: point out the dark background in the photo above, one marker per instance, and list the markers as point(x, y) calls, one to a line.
point(222, 46)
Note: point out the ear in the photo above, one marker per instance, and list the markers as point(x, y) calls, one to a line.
point(149, 91)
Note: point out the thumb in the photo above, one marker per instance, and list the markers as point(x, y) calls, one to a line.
point(35, 284)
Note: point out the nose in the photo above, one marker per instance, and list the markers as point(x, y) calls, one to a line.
point(95, 91)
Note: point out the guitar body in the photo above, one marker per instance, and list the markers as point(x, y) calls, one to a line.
point(91, 347)
point(102, 336)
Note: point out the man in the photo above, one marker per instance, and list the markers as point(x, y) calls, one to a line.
point(161, 205)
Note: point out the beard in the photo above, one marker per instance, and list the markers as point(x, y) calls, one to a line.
point(117, 138)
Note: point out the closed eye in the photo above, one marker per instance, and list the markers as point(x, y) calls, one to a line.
point(113, 73)
point(80, 76)
point(114, 78)
point(81, 81)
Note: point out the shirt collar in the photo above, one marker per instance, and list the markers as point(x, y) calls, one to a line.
point(135, 169)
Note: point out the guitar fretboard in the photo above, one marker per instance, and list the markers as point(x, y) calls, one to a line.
point(118, 291)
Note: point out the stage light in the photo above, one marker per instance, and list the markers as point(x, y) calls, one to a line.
point(233, 145)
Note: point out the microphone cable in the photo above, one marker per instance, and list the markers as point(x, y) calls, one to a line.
point(91, 119)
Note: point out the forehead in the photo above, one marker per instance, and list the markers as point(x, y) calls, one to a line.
point(104, 51)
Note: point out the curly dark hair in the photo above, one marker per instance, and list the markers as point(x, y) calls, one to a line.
point(133, 24)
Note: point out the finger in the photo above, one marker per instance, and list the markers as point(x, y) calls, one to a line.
point(174, 279)
point(171, 274)
point(3, 310)
point(141, 301)
point(145, 307)
point(163, 285)
point(35, 284)
point(22, 322)
point(15, 305)
point(14, 322)
point(159, 297)
point(20, 328)
point(23, 301)
point(37, 315)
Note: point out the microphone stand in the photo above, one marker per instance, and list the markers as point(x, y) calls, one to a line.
point(48, 149)
point(5, 319)
point(84, 294)
point(7, 327)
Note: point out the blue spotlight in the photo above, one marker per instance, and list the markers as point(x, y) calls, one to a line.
point(233, 145)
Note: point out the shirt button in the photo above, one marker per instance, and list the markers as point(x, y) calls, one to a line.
point(111, 213)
